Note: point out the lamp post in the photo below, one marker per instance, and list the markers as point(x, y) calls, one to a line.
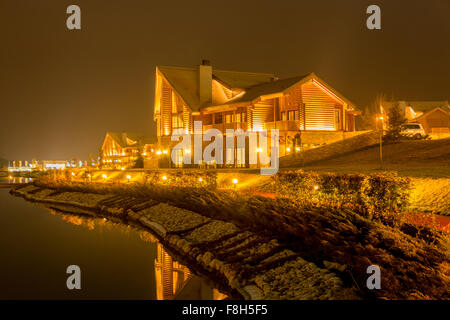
point(380, 118)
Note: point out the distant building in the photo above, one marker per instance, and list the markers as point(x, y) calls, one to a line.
point(122, 149)
point(54, 164)
point(433, 115)
point(249, 101)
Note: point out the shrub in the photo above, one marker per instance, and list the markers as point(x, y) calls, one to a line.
point(377, 196)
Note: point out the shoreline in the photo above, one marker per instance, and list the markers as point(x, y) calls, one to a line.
point(190, 237)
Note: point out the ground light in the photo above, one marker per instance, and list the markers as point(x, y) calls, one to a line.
point(164, 177)
point(235, 181)
point(128, 177)
point(200, 179)
point(104, 176)
point(288, 149)
point(316, 187)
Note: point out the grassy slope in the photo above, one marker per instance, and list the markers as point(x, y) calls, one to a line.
point(430, 158)
point(411, 268)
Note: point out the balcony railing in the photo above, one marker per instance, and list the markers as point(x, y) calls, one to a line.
point(288, 125)
point(224, 126)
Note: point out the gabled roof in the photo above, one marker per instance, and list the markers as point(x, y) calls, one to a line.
point(185, 81)
point(241, 80)
point(123, 139)
point(268, 88)
point(445, 110)
point(421, 106)
point(281, 86)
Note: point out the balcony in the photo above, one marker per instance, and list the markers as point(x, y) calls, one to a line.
point(286, 125)
point(224, 126)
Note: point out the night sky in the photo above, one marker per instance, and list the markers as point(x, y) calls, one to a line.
point(61, 90)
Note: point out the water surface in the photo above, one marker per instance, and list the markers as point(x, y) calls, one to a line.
point(117, 262)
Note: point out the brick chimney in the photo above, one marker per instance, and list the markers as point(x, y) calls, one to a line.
point(205, 83)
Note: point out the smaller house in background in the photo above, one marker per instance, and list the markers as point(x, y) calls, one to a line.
point(434, 116)
point(123, 149)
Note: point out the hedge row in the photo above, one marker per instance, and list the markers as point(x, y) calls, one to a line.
point(376, 196)
point(183, 178)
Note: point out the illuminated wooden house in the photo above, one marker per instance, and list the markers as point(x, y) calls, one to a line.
point(122, 149)
point(250, 101)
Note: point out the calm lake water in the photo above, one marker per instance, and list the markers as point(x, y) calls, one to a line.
point(117, 262)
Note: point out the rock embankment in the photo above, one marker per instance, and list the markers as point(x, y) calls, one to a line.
point(256, 266)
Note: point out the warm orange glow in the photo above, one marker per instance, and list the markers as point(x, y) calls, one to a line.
point(10, 177)
point(165, 151)
point(288, 149)
point(235, 181)
point(316, 187)
point(122, 168)
point(104, 176)
point(297, 148)
point(164, 177)
point(73, 173)
point(321, 86)
point(200, 179)
point(128, 177)
point(158, 152)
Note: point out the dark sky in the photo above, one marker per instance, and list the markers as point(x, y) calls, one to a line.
point(61, 90)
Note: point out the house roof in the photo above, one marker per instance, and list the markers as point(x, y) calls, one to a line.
point(121, 138)
point(185, 82)
point(267, 88)
point(445, 109)
point(423, 106)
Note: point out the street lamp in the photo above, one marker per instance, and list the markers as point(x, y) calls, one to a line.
point(381, 118)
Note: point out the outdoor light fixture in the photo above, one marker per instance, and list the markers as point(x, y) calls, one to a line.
point(258, 150)
point(10, 177)
point(128, 177)
point(200, 179)
point(187, 151)
point(316, 187)
point(297, 148)
point(73, 173)
point(158, 152)
point(288, 149)
point(164, 177)
point(235, 181)
point(122, 168)
point(165, 151)
point(104, 176)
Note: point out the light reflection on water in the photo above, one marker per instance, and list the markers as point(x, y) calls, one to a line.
point(116, 261)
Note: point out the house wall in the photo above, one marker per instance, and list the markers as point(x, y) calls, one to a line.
point(436, 121)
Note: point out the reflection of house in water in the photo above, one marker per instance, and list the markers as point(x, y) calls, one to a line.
point(170, 275)
point(174, 280)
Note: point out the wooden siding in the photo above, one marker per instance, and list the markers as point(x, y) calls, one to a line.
point(319, 108)
point(262, 113)
point(166, 109)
